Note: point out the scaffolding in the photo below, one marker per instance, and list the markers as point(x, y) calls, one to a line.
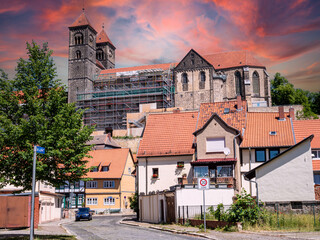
point(116, 94)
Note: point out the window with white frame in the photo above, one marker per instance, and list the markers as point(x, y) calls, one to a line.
point(109, 201)
point(215, 144)
point(92, 184)
point(108, 184)
point(92, 201)
point(315, 153)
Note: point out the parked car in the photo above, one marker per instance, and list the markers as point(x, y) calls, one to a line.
point(83, 213)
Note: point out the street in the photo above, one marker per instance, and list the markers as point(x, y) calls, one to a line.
point(107, 227)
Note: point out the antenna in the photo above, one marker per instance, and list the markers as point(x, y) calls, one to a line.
point(226, 151)
point(102, 25)
point(83, 5)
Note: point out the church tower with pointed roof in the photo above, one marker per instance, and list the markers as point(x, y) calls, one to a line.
point(105, 50)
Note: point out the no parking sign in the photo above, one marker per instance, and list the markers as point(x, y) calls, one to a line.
point(203, 183)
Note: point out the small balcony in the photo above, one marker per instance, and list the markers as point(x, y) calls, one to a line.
point(219, 182)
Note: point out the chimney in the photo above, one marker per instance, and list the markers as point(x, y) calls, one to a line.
point(281, 113)
point(176, 110)
point(239, 102)
point(291, 113)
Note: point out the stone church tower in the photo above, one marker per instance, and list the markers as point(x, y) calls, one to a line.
point(88, 54)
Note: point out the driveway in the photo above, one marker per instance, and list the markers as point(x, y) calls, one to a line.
point(108, 227)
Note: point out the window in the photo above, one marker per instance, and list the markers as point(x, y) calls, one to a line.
point(315, 154)
point(109, 201)
point(108, 184)
point(215, 144)
point(202, 76)
point(100, 54)
point(201, 171)
point(78, 38)
point(273, 133)
point(256, 84)
point(92, 201)
point(184, 78)
point(224, 171)
point(92, 184)
point(78, 54)
point(105, 168)
point(260, 155)
point(237, 76)
point(129, 170)
point(155, 172)
point(94, 169)
point(316, 177)
point(226, 111)
point(273, 152)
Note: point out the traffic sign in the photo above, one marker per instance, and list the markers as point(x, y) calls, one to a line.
point(203, 183)
point(41, 150)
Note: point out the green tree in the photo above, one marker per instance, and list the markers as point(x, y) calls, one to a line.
point(282, 92)
point(34, 111)
point(134, 204)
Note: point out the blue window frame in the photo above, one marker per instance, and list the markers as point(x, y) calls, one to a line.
point(316, 178)
point(260, 155)
point(273, 152)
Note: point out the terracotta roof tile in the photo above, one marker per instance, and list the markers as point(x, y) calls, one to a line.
point(103, 38)
point(232, 59)
point(304, 128)
point(168, 134)
point(103, 139)
point(114, 158)
point(163, 66)
point(213, 160)
point(99, 64)
point(316, 165)
point(259, 126)
point(234, 118)
point(82, 20)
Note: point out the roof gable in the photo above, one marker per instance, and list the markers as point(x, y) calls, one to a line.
point(192, 60)
point(103, 38)
point(304, 128)
point(82, 20)
point(168, 134)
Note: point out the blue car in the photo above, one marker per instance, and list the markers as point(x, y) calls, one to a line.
point(83, 213)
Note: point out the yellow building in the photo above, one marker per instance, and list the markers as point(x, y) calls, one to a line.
point(112, 182)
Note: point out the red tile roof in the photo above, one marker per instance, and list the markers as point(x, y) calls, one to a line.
point(316, 165)
point(103, 38)
point(258, 128)
point(99, 64)
point(232, 59)
point(163, 66)
point(234, 118)
point(304, 128)
point(114, 158)
point(213, 160)
point(168, 134)
point(82, 20)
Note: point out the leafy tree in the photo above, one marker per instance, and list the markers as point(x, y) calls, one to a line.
point(134, 204)
point(34, 111)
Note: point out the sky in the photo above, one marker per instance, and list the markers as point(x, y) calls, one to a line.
point(283, 34)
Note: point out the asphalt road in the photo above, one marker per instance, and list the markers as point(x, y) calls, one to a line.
point(108, 227)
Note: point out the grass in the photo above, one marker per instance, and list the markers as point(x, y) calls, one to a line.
point(42, 237)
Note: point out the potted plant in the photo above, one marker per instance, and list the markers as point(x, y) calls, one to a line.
point(155, 175)
point(180, 164)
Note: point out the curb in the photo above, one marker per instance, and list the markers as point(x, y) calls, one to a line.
point(169, 230)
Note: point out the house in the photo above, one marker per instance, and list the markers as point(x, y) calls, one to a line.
point(302, 129)
point(103, 141)
point(266, 135)
point(112, 182)
point(286, 177)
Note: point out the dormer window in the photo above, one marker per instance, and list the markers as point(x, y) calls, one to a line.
point(94, 169)
point(105, 168)
point(226, 111)
point(272, 133)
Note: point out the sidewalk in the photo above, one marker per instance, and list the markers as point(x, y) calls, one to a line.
point(217, 235)
point(49, 228)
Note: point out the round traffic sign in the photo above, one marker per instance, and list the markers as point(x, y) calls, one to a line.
point(203, 182)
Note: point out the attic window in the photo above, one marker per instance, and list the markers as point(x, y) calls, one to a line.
point(226, 110)
point(94, 169)
point(192, 55)
point(273, 133)
point(105, 168)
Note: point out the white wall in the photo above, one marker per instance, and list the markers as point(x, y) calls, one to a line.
point(194, 197)
point(289, 177)
point(149, 207)
point(168, 172)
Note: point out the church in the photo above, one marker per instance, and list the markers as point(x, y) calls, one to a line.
point(107, 93)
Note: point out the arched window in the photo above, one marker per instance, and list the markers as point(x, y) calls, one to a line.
point(185, 82)
point(256, 84)
point(238, 82)
point(184, 78)
point(78, 38)
point(78, 54)
point(202, 80)
point(100, 54)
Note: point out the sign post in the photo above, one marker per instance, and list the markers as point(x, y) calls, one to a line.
point(36, 149)
point(203, 184)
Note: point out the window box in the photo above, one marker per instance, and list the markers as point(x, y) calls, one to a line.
point(180, 165)
point(155, 176)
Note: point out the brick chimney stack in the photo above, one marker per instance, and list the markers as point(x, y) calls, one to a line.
point(176, 110)
point(291, 113)
point(281, 113)
point(239, 102)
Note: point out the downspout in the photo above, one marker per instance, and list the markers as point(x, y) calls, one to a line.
point(250, 169)
point(257, 197)
point(146, 176)
point(234, 149)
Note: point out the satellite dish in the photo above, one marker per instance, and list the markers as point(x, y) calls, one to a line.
point(226, 151)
